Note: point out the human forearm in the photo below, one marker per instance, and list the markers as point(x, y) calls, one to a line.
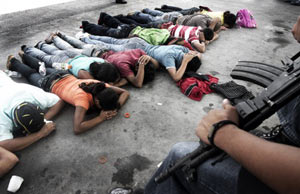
point(139, 78)
point(20, 142)
point(121, 83)
point(86, 125)
point(123, 97)
point(54, 110)
point(272, 163)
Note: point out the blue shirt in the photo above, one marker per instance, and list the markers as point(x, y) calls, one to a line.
point(170, 56)
point(82, 62)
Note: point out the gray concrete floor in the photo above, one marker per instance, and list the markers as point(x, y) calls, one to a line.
point(65, 163)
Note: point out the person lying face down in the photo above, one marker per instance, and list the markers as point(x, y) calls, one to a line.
point(22, 118)
point(117, 68)
point(176, 59)
point(82, 66)
point(83, 94)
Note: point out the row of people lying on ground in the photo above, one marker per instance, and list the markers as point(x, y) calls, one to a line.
point(134, 66)
point(22, 118)
point(79, 86)
point(195, 30)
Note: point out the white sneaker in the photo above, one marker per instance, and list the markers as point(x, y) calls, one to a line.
point(13, 74)
point(81, 34)
point(42, 69)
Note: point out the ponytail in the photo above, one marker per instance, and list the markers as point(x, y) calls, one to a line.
point(108, 98)
point(92, 88)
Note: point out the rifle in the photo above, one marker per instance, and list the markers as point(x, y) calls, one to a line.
point(283, 85)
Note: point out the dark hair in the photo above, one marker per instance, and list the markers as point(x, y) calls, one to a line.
point(208, 33)
point(229, 19)
point(193, 65)
point(107, 97)
point(149, 72)
point(106, 72)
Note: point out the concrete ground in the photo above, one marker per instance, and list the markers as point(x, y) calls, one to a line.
point(66, 163)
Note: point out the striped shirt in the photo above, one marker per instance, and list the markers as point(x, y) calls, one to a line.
point(189, 33)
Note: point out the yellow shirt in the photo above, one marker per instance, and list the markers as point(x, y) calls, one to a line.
point(215, 14)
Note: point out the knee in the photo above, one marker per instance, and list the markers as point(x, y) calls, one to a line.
point(181, 149)
point(12, 159)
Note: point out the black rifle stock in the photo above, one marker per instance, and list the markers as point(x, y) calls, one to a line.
point(252, 113)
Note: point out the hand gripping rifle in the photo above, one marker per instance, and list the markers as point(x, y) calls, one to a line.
point(281, 86)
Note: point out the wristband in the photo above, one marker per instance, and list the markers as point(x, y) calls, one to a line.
point(215, 127)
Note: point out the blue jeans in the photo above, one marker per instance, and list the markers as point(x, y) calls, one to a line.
point(227, 176)
point(116, 44)
point(146, 17)
point(48, 54)
point(76, 46)
point(222, 178)
point(65, 45)
point(153, 12)
point(289, 118)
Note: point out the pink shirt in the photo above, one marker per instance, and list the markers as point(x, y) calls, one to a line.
point(125, 61)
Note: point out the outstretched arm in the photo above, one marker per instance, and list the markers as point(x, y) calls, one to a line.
point(272, 163)
point(20, 143)
point(80, 125)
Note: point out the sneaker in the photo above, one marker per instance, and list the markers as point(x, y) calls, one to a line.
point(13, 74)
point(120, 190)
point(42, 69)
point(8, 63)
point(49, 39)
point(59, 34)
point(81, 34)
point(23, 47)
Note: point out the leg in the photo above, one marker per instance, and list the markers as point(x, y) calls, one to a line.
point(189, 11)
point(211, 179)
point(63, 45)
point(142, 18)
point(29, 73)
point(72, 41)
point(113, 47)
point(171, 7)
point(289, 119)
point(132, 22)
point(53, 50)
point(153, 12)
point(7, 161)
point(32, 62)
point(46, 58)
point(110, 40)
point(103, 30)
point(109, 21)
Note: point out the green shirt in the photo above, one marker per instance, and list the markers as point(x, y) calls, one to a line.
point(153, 36)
